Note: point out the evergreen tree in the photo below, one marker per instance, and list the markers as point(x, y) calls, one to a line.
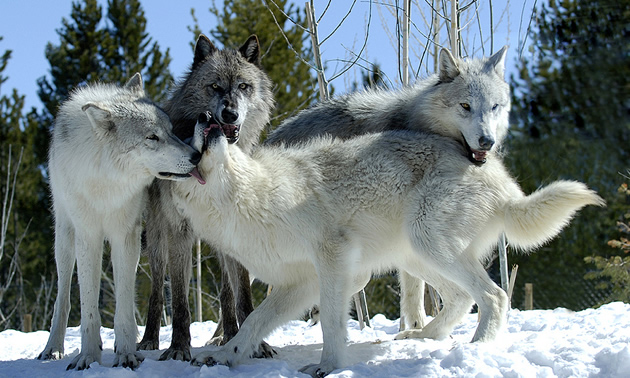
point(91, 51)
point(294, 86)
point(570, 120)
point(613, 273)
point(25, 258)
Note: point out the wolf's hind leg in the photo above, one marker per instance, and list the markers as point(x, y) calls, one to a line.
point(413, 315)
point(457, 303)
point(64, 258)
point(285, 302)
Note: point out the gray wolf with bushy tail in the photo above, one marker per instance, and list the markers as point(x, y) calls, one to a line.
point(231, 84)
point(317, 220)
point(108, 144)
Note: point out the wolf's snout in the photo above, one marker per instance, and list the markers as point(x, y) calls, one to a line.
point(229, 115)
point(486, 143)
point(195, 158)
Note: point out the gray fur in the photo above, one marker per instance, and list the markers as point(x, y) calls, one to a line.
point(431, 105)
point(230, 84)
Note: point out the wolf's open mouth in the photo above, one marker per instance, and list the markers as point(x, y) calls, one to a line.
point(174, 176)
point(231, 132)
point(476, 157)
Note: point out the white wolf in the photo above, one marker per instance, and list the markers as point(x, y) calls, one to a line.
point(319, 219)
point(107, 146)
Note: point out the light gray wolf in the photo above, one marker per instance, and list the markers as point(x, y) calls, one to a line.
point(467, 101)
point(231, 84)
point(107, 146)
point(315, 222)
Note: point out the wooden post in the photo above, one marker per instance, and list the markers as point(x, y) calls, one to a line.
point(529, 296)
point(512, 281)
point(199, 319)
point(28, 323)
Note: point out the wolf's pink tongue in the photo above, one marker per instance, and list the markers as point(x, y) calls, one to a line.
point(195, 173)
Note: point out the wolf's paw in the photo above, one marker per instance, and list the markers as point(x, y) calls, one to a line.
point(128, 360)
point(148, 345)
point(409, 334)
point(210, 359)
point(179, 354)
point(82, 361)
point(226, 355)
point(217, 341)
point(264, 351)
point(51, 354)
point(317, 370)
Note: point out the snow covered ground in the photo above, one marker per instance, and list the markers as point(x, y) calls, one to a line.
point(539, 343)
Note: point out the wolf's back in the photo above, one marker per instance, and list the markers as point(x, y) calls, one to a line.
point(532, 220)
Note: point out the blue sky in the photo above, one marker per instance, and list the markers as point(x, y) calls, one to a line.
point(28, 25)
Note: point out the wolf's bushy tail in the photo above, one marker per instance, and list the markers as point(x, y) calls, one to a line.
point(532, 220)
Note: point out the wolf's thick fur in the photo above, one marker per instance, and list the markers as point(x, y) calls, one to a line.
point(108, 144)
point(318, 220)
point(231, 84)
point(467, 101)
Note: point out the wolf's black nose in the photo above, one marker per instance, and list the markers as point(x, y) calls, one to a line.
point(195, 158)
point(229, 115)
point(486, 143)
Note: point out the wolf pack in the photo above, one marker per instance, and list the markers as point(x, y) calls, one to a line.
point(408, 180)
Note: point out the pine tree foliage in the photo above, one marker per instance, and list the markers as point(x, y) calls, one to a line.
point(571, 121)
point(95, 50)
point(25, 258)
point(613, 273)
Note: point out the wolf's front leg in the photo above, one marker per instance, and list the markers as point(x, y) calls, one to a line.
point(335, 292)
point(89, 254)
point(283, 304)
point(125, 257)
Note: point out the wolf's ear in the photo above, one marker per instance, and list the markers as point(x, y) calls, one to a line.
point(135, 83)
point(203, 49)
point(99, 116)
point(448, 66)
point(251, 50)
point(497, 61)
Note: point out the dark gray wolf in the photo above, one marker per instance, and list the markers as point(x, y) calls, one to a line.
point(230, 84)
point(107, 146)
point(467, 101)
point(317, 220)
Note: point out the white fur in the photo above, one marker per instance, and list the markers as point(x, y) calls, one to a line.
point(318, 220)
point(107, 146)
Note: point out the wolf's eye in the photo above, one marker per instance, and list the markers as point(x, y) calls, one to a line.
point(495, 107)
point(466, 106)
point(214, 86)
point(243, 86)
point(153, 137)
